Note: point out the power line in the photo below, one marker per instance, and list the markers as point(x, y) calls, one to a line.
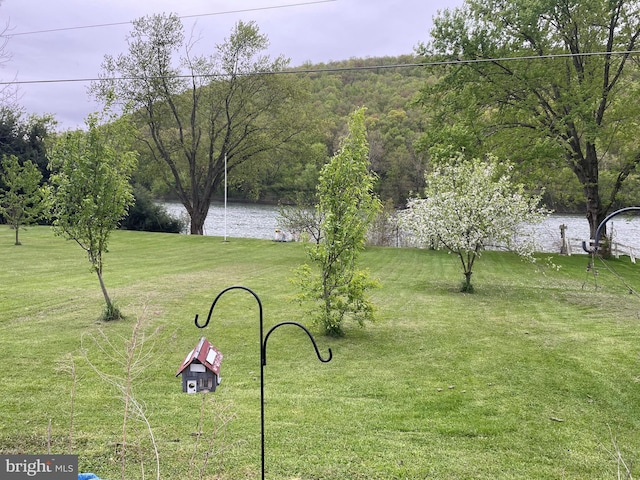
point(228, 12)
point(333, 69)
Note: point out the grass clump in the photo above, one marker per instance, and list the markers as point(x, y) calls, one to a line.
point(111, 312)
point(466, 287)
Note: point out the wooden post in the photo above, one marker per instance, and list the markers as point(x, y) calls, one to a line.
point(563, 235)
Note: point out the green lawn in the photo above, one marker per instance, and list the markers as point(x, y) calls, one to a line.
point(536, 375)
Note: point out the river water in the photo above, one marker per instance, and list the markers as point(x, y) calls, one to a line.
point(241, 220)
point(238, 220)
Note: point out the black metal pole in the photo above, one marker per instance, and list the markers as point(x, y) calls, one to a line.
point(263, 353)
point(596, 240)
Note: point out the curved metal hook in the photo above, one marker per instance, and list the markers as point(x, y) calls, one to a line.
point(596, 240)
point(315, 345)
point(235, 287)
point(263, 351)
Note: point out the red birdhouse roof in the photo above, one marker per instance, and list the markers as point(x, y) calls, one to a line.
point(204, 353)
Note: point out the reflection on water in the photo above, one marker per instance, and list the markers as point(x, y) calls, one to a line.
point(260, 221)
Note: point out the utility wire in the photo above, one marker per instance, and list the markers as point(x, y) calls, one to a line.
point(619, 277)
point(102, 25)
point(332, 69)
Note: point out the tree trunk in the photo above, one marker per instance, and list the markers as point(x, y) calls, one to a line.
point(466, 286)
point(198, 218)
point(104, 291)
point(596, 213)
point(586, 169)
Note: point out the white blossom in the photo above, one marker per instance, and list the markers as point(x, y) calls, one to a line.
point(470, 205)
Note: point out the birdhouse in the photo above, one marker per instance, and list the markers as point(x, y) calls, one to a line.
point(200, 370)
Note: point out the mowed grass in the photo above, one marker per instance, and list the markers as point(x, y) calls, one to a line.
point(536, 375)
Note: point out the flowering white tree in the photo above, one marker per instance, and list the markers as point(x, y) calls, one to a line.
point(470, 204)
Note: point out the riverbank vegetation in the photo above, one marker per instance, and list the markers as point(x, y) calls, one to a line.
point(534, 376)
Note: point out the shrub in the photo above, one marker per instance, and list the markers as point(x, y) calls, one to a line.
point(146, 215)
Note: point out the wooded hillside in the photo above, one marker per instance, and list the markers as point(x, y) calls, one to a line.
point(388, 87)
point(334, 90)
point(398, 133)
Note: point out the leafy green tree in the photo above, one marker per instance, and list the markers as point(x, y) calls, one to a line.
point(400, 168)
point(347, 206)
point(222, 110)
point(90, 189)
point(21, 203)
point(548, 84)
point(469, 204)
point(25, 138)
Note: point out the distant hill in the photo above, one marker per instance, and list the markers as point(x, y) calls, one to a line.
point(386, 87)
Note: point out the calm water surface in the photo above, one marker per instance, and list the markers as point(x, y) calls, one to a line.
point(260, 221)
point(243, 220)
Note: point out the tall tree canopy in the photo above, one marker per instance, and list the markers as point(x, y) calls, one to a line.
point(201, 113)
point(546, 83)
point(25, 138)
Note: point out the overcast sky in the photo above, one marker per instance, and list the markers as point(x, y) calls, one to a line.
point(305, 30)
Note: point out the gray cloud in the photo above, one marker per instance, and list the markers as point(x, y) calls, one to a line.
point(319, 32)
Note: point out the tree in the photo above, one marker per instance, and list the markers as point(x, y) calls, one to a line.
point(25, 138)
point(399, 167)
point(91, 191)
point(469, 204)
point(550, 84)
point(21, 203)
point(228, 109)
point(303, 220)
point(346, 205)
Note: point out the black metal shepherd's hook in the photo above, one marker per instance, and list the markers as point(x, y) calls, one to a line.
point(263, 352)
point(596, 240)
